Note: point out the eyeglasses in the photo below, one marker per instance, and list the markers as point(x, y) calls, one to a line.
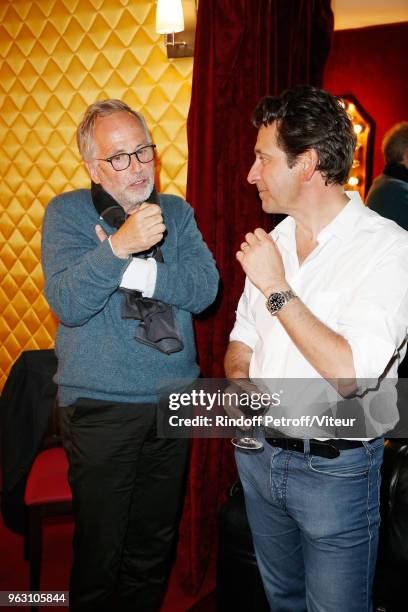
point(121, 161)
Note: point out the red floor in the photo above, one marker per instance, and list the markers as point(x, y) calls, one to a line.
point(57, 556)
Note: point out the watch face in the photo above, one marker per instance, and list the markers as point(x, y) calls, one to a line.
point(276, 301)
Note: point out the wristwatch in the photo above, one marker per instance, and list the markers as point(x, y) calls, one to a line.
point(276, 301)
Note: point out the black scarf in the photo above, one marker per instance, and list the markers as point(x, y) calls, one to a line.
point(157, 326)
point(397, 171)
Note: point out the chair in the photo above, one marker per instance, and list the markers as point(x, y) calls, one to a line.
point(33, 464)
point(47, 493)
point(26, 406)
point(390, 585)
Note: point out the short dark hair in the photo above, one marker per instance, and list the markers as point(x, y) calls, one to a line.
point(310, 118)
point(395, 143)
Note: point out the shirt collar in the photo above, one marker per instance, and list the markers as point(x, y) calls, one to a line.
point(342, 226)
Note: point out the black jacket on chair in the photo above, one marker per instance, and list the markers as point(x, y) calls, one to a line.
point(25, 411)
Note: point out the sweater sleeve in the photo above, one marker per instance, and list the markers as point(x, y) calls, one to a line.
point(80, 273)
point(190, 282)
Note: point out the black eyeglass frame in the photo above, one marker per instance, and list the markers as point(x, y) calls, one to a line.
point(109, 159)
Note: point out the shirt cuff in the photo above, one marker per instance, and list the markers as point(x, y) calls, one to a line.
point(371, 357)
point(239, 334)
point(140, 275)
point(110, 244)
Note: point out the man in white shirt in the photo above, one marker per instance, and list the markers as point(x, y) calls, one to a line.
point(325, 298)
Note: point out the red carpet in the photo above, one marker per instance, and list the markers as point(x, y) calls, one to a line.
point(57, 557)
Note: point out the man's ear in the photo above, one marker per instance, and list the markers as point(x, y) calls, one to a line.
point(309, 160)
point(92, 169)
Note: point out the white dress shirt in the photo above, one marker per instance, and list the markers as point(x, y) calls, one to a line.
point(140, 275)
point(355, 281)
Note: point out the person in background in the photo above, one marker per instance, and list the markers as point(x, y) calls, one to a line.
point(124, 269)
point(388, 195)
point(325, 297)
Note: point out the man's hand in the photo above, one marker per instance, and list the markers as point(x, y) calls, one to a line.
point(140, 232)
point(262, 262)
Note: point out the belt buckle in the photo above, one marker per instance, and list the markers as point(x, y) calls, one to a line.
point(324, 449)
point(334, 452)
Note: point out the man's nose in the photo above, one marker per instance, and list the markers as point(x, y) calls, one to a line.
point(135, 164)
point(253, 175)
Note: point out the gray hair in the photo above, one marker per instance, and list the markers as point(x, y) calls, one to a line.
point(102, 108)
point(395, 143)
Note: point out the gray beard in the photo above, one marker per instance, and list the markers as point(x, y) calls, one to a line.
point(131, 204)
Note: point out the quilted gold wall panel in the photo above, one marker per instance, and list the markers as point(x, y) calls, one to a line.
point(56, 57)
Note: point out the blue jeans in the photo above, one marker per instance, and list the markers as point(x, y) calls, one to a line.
point(314, 523)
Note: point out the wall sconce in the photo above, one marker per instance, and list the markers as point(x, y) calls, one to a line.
point(176, 19)
point(361, 170)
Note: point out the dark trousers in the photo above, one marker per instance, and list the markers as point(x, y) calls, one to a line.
point(127, 489)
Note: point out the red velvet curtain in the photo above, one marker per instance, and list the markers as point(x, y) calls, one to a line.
point(376, 80)
point(244, 49)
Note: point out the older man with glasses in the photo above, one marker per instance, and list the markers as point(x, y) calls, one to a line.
point(124, 268)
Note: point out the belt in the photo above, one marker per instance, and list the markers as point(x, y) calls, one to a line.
point(330, 449)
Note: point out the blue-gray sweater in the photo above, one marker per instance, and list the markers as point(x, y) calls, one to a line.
point(98, 356)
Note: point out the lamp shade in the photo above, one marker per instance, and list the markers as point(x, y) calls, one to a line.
point(169, 16)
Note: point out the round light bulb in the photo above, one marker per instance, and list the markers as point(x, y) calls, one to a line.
point(353, 181)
